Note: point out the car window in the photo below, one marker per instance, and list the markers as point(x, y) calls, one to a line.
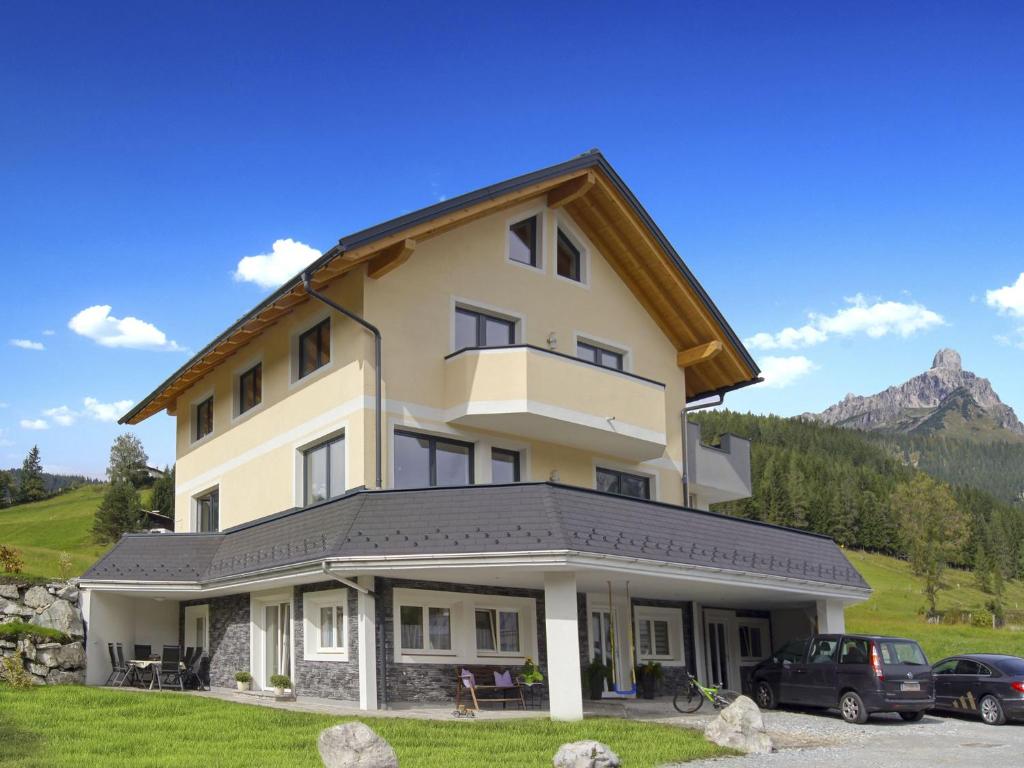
point(902, 652)
point(792, 651)
point(854, 650)
point(1011, 666)
point(968, 667)
point(947, 667)
point(823, 649)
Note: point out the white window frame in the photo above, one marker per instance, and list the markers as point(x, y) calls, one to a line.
point(194, 503)
point(193, 612)
point(674, 618)
point(312, 602)
point(497, 610)
point(766, 640)
point(462, 608)
point(536, 212)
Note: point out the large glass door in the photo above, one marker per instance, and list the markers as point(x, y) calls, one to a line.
point(601, 637)
point(277, 641)
point(717, 639)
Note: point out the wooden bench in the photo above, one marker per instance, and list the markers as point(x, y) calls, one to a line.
point(481, 688)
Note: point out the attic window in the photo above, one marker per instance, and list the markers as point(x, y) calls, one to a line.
point(204, 418)
point(315, 348)
point(569, 258)
point(522, 242)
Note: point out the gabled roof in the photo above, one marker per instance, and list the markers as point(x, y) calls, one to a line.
point(479, 520)
point(611, 217)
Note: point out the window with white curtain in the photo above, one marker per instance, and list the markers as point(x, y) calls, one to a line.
point(325, 622)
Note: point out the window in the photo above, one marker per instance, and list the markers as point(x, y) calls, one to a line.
point(504, 466)
point(623, 483)
point(606, 358)
point(822, 650)
point(497, 631)
point(653, 638)
point(204, 418)
point(522, 242)
point(569, 258)
point(476, 329)
point(325, 625)
point(423, 460)
point(250, 388)
point(902, 652)
point(854, 650)
point(751, 642)
point(437, 632)
point(792, 651)
point(208, 512)
point(968, 667)
point(947, 667)
point(315, 348)
point(325, 471)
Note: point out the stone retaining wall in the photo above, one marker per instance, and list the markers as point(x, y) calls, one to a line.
point(55, 605)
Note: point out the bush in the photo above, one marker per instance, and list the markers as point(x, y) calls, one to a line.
point(18, 630)
point(10, 559)
point(280, 681)
point(243, 677)
point(981, 618)
point(12, 672)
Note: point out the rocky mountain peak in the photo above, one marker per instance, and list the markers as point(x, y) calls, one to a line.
point(947, 358)
point(943, 397)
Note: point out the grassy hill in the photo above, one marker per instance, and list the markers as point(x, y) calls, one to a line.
point(41, 531)
point(893, 609)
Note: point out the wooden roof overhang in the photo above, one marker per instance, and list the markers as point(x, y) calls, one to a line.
point(609, 215)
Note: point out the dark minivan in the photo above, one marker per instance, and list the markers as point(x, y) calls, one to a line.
point(857, 674)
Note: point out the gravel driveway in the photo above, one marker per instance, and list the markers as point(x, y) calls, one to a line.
point(823, 739)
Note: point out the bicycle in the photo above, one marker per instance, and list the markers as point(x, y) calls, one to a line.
point(691, 694)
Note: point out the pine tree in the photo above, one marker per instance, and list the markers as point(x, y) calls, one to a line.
point(30, 482)
point(799, 497)
point(128, 460)
point(163, 493)
point(5, 489)
point(120, 512)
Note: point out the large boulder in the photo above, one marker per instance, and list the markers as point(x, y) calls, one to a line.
point(66, 677)
point(586, 754)
point(48, 654)
point(38, 597)
point(740, 726)
point(354, 745)
point(9, 591)
point(63, 617)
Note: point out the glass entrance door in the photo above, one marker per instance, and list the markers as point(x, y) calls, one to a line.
point(277, 641)
point(601, 637)
point(717, 652)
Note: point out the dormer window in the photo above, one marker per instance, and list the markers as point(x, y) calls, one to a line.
point(315, 348)
point(522, 242)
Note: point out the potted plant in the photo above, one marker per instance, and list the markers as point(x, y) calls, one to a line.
point(597, 673)
point(649, 675)
point(531, 673)
point(279, 683)
point(243, 680)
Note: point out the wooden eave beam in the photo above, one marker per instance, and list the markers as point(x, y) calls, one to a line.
point(571, 190)
point(699, 354)
point(390, 258)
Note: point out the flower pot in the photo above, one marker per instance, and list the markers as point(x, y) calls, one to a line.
point(242, 686)
point(648, 685)
point(279, 691)
point(596, 684)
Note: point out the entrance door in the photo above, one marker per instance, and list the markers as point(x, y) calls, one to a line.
point(601, 637)
point(716, 633)
point(277, 655)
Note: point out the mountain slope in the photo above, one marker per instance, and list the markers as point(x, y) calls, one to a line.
point(945, 398)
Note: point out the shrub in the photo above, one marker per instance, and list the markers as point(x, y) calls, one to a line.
point(280, 681)
point(243, 677)
point(981, 618)
point(12, 671)
point(18, 630)
point(10, 559)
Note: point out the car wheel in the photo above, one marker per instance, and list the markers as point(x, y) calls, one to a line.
point(765, 696)
point(852, 709)
point(992, 711)
point(912, 717)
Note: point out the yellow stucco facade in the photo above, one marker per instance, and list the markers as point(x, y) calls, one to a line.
point(564, 416)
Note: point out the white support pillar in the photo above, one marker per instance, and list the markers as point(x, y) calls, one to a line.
point(831, 620)
point(561, 625)
point(367, 621)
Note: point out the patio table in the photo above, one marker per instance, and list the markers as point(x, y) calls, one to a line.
point(138, 666)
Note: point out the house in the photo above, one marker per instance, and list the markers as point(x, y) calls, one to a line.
point(459, 438)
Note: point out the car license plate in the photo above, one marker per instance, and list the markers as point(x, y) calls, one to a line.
point(910, 686)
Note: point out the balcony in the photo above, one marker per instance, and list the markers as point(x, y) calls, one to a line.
point(547, 396)
point(717, 473)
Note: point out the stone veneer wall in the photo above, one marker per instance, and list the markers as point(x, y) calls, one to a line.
point(229, 636)
point(57, 606)
point(433, 682)
point(327, 679)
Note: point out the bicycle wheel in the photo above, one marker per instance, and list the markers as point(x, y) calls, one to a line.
point(688, 698)
point(724, 698)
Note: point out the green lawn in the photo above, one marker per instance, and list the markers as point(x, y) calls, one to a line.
point(115, 729)
point(41, 531)
point(893, 609)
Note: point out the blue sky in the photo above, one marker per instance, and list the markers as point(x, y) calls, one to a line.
point(798, 155)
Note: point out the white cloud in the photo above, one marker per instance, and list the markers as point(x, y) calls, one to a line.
point(48, 332)
point(286, 259)
point(1008, 300)
point(34, 424)
point(28, 344)
point(62, 415)
point(779, 372)
point(106, 411)
point(881, 318)
point(98, 324)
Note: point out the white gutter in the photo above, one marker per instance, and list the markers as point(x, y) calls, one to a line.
point(347, 582)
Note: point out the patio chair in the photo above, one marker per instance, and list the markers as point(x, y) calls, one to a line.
point(170, 668)
point(190, 652)
point(143, 651)
point(118, 671)
point(129, 672)
point(192, 670)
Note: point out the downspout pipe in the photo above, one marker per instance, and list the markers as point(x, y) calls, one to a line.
point(377, 407)
point(686, 441)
